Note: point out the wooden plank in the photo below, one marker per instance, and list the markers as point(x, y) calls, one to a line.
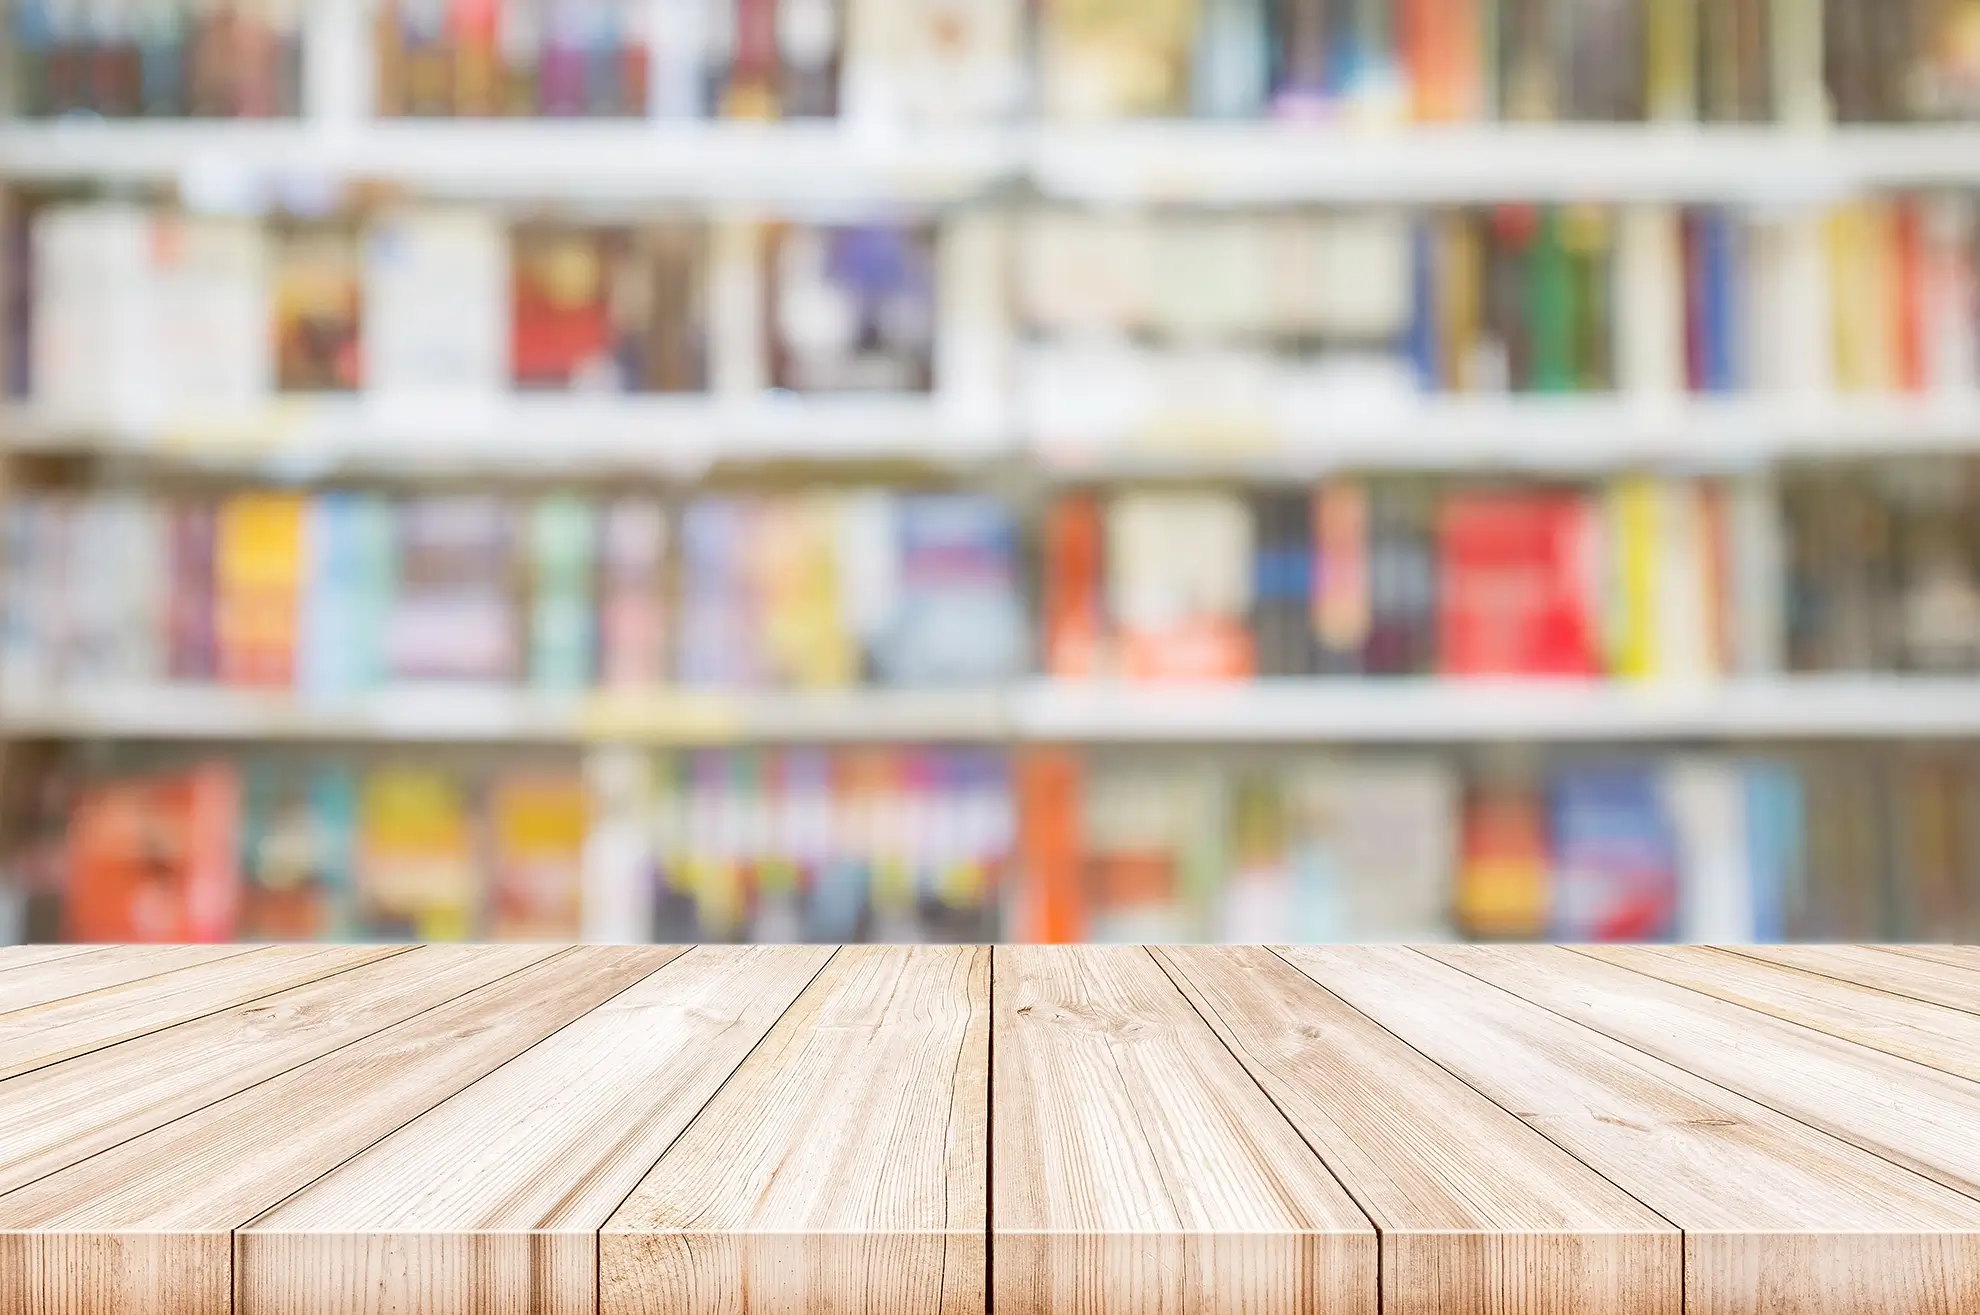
point(1137, 1166)
point(26, 956)
point(1476, 1210)
point(1929, 1034)
point(56, 1116)
point(501, 1189)
point(1778, 1218)
point(58, 979)
point(1875, 966)
point(146, 1226)
point(49, 1033)
point(1957, 956)
point(1910, 1114)
point(841, 1168)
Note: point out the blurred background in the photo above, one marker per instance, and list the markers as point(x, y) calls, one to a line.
point(973, 469)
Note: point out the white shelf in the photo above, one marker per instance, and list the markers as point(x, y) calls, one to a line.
point(1419, 710)
point(1288, 712)
point(1266, 163)
point(1552, 435)
point(1156, 161)
point(450, 714)
point(526, 434)
point(823, 162)
point(682, 437)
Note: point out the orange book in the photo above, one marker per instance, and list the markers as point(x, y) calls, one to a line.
point(1049, 848)
point(258, 580)
point(540, 823)
point(154, 860)
point(1074, 623)
point(1503, 873)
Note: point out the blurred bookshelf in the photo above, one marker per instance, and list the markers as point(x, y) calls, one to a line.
point(951, 403)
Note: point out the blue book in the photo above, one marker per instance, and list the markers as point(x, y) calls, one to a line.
point(1616, 855)
point(1775, 826)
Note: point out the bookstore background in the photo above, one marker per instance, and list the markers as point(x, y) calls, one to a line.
point(1315, 470)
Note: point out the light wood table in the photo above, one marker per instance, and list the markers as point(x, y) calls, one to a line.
point(1451, 1130)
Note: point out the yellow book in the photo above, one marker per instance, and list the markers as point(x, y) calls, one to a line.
point(1852, 285)
point(1671, 48)
point(258, 574)
point(1635, 524)
point(1461, 279)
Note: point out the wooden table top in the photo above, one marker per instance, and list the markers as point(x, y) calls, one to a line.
point(1493, 1130)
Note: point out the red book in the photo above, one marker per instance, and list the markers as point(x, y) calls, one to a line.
point(1908, 289)
point(1512, 603)
point(155, 860)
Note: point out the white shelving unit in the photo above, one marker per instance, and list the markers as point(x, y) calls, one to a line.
point(853, 166)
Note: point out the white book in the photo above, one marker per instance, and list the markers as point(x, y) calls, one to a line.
point(210, 313)
point(1684, 594)
point(1951, 344)
point(1650, 300)
point(436, 304)
point(1706, 800)
point(1756, 575)
point(619, 861)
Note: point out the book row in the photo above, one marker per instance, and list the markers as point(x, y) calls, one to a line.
point(896, 845)
point(970, 844)
point(1125, 323)
point(150, 312)
point(1642, 578)
point(1386, 61)
point(1261, 315)
point(1726, 848)
point(345, 592)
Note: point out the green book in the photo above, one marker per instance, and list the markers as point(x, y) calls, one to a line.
point(1550, 306)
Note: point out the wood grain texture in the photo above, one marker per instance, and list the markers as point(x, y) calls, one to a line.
point(1137, 1166)
point(56, 1116)
point(1477, 1211)
point(49, 1033)
point(1936, 983)
point(498, 1193)
point(1959, 956)
point(25, 956)
point(145, 1226)
point(841, 1168)
point(1778, 1218)
point(60, 978)
point(1911, 1115)
point(1929, 1034)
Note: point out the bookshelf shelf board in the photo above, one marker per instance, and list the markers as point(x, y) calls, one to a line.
point(1151, 161)
point(524, 434)
point(1377, 710)
point(628, 1129)
point(632, 160)
point(1342, 710)
point(1261, 164)
point(494, 715)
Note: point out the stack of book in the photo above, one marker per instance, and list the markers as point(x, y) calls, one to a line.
point(881, 844)
point(1723, 847)
point(697, 59)
point(147, 313)
point(1641, 578)
point(159, 59)
point(340, 593)
point(1179, 330)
